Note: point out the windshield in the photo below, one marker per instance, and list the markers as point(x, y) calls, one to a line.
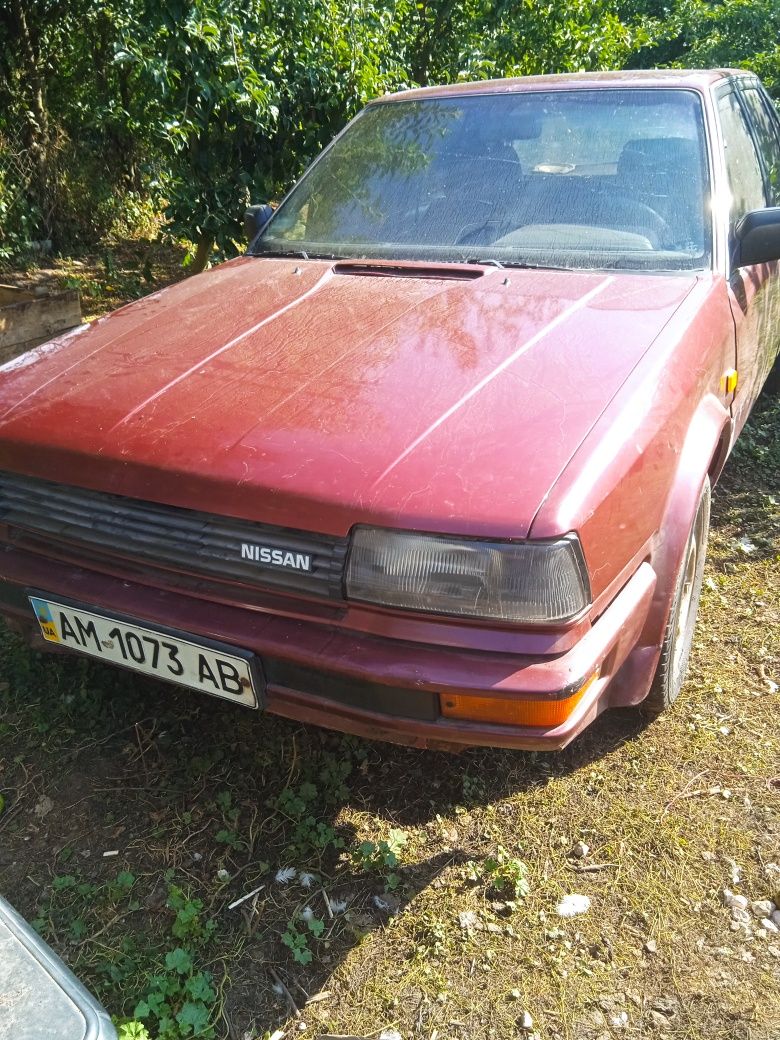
point(612, 178)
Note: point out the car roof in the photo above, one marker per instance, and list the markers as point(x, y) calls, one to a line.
point(691, 79)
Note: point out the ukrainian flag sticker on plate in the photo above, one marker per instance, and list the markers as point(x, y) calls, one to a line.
point(45, 619)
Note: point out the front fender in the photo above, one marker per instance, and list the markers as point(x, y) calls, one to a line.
point(703, 452)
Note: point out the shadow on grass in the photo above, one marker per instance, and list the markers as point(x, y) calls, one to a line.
point(203, 798)
point(746, 503)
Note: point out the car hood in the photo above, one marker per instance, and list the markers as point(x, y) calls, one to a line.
point(316, 396)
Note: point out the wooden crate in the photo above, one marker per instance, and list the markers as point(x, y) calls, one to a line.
point(29, 318)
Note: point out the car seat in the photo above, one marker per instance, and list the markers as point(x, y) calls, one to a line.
point(666, 174)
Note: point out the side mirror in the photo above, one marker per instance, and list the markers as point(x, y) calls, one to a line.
point(255, 219)
point(757, 237)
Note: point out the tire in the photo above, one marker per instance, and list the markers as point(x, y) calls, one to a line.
point(676, 648)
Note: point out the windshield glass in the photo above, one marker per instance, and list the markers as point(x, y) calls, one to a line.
point(611, 178)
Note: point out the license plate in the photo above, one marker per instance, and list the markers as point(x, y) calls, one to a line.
point(210, 667)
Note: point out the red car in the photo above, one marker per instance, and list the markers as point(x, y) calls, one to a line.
point(432, 462)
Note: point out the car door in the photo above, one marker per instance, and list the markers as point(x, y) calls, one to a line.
point(751, 141)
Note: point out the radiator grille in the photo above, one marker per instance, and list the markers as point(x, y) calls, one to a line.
point(170, 537)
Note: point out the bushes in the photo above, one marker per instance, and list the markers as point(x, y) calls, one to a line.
point(199, 106)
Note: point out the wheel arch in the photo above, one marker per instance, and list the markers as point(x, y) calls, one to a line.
point(704, 452)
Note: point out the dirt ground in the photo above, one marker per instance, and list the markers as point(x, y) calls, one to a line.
point(392, 889)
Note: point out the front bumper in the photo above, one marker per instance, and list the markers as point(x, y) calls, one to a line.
point(374, 687)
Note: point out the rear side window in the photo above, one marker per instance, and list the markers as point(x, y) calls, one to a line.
point(746, 180)
point(768, 135)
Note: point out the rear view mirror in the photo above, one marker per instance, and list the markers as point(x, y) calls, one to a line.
point(757, 237)
point(255, 219)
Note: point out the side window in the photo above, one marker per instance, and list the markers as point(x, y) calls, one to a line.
point(746, 180)
point(768, 134)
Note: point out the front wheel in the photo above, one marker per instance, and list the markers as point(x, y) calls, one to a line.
point(676, 648)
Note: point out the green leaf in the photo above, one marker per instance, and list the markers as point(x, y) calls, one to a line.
point(78, 929)
point(63, 881)
point(193, 1017)
point(178, 960)
point(316, 926)
point(199, 987)
point(166, 1026)
point(132, 1031)
point(162, 986)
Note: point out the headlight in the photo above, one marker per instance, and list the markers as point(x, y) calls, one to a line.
point(505, 581)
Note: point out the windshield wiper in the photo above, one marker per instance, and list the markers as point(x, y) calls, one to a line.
point(521, 264)
point(485, 263)
point(299, 254)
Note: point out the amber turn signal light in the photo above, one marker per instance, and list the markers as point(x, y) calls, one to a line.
point(512, 712)
point(728, 381)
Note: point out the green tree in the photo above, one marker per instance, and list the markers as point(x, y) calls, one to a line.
point(713, 34)
point(209, 104)
point(242, 93)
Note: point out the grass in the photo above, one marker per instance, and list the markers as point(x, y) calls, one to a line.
point(416, 890)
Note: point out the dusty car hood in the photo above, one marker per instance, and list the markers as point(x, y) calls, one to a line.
point(298, 395)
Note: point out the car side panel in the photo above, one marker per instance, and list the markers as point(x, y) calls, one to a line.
point(754, 293)
point(668, 426)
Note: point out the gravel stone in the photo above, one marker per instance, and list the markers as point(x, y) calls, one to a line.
point(43, 807)
point(572, 905)
point(740, 916)
point(658, 1020)
point(734, 901)
point(666, 1005)
point(763, 907)
point(468, 920)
